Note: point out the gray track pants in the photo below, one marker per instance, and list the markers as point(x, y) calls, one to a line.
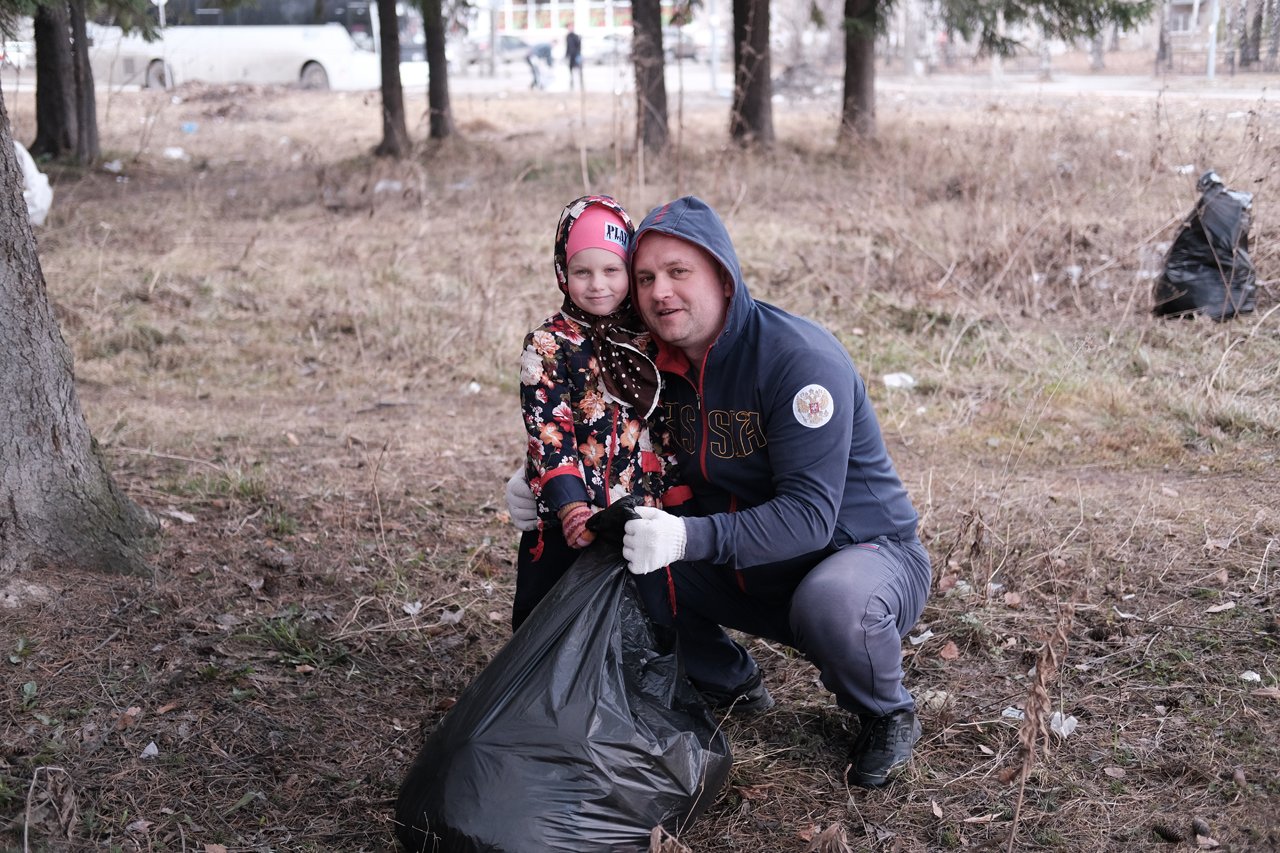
point(846, 611)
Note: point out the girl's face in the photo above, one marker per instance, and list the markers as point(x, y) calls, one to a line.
point(598, 281)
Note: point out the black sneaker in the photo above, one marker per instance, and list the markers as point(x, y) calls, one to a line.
point(883, 748)
point(751, 697)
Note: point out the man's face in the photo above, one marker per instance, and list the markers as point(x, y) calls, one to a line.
point(681, 292)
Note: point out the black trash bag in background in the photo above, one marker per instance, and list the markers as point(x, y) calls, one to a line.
point(1208, 270)
point(582, 734)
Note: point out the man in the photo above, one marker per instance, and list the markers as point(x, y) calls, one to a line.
point(792, 523)
point(573, 54)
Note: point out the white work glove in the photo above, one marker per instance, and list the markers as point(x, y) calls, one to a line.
point(520, 503)
point(653, 540)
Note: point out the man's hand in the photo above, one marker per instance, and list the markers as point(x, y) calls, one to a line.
point(653, 540)
point(520, 503)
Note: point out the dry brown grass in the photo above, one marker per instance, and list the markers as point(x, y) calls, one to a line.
point(321, 377)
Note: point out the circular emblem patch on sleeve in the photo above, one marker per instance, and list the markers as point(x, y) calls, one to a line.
point(813, 406)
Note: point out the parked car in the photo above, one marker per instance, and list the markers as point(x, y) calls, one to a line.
point(509, 49)
point(678, 43)
point(607, 49)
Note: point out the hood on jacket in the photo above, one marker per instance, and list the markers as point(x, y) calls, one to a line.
point(568, 216)
point(691, 219)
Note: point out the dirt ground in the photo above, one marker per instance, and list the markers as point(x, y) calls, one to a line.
point(301, 360)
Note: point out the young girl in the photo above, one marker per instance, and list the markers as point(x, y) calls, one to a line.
point(587, 388)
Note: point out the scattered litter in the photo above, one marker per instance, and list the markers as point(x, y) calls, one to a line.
point(386, 185)
point(473, 387)
point(190, 127)
point(1221, 608)
point(1250, 675)
point(174, 152)
point(412, 608)
point(934, 700)
point(1062, 726)
point(184, 517)
point(920, 638)
point(1012, 713)
point(1114, 772)
point(36, 191)
point(1188, 169)
point(902, 381)
point(150, 750)
point(115, 167)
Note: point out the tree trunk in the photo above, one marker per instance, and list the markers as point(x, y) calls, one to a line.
point(58, 506)
point(651, 84)
point(751, 114)
point(395, 135)
point(441, 118)
point(858, 112)
point(55, 84)
point(87, 148)
point(1273, 41)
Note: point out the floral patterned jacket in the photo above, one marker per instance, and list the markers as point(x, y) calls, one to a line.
point(584, 445)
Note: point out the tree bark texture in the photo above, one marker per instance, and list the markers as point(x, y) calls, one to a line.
point(58, 505)
point(651, 84)
point(87, 147)
point(55, 83)
point(858, 110)
point(441, 117)
point(395, 135)
point(751, 114)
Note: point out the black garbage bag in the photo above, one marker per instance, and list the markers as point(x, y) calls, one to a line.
point(582, 734)
point(1208, 269)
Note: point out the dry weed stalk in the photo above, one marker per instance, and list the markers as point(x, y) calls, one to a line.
point(661, 841)
point(1035, 722)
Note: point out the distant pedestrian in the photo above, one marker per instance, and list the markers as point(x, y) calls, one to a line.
point(539, 53)
point(573, 53)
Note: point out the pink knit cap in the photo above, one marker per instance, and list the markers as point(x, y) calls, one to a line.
point(597, 228)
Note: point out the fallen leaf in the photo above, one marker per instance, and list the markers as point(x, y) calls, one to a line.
point(184, 517)
point(1204, 842)
point(128, 718)
point(167, 707)
point(986, 818)
point(809, 832)
point(1114, 772)
point(215, 848)
point(1238, 778)
point(1222, 608)
point(291, 438)
point(1219, 544)
point(138, 825)
point(304, 668)
point(1008, 774)
point(150, 750)
point(937, 809)
point(754, 792)
point(950, 651)
point(1013, 599)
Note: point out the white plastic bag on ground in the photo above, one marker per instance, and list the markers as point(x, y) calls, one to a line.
point(35, 186)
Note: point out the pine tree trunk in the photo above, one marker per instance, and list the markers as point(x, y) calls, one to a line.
point(395, 135)
point(651, 84)
point(441, 120)
point(58, 505)
point(87, 147)
point(858, 112)
point(55, 84)
point(751, 114)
